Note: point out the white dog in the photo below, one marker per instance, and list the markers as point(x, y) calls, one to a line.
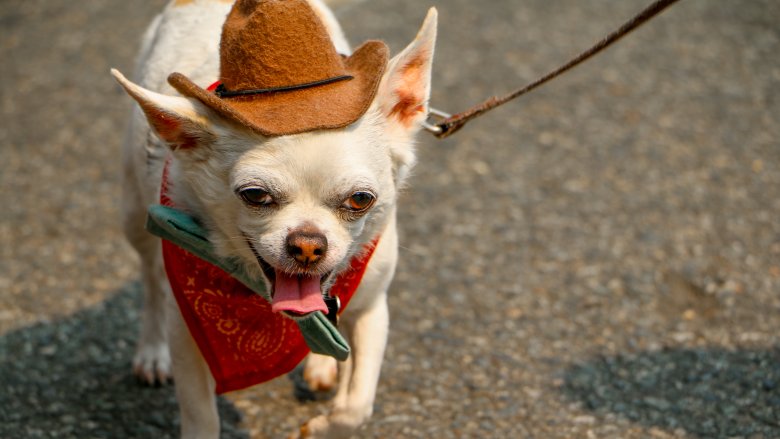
point(340, 184)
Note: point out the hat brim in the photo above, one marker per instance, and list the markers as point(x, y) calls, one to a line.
point(327, 106)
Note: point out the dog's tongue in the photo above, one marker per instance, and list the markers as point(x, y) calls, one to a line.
point(299, 294)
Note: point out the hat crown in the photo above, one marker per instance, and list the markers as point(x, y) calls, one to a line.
point(275, 43)
point(280, 73)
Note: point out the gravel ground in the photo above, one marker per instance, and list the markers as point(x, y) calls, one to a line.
point(600, 259)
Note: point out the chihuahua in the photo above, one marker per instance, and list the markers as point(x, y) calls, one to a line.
point(333, 188)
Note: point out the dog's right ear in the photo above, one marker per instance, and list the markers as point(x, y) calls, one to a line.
point(180, 122)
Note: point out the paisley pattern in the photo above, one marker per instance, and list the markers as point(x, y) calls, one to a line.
point(243, 342)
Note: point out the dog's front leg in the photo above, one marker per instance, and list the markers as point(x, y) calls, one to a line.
point(354, 402)
point(195, 387)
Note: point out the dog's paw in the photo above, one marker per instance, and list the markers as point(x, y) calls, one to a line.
point(315, 379)
point(341, 423)
point(315, 428)
point(152, 364)
point(321, 373)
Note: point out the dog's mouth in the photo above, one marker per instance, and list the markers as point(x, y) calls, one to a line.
point(296, 295)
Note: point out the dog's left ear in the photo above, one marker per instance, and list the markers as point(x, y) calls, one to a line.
point(403, 95)
point(406, 85)
point(182, 123)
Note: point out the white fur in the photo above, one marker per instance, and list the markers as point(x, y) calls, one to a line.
point(312, 173)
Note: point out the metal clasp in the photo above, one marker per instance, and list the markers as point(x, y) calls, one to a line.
point(434, 128)
point(334, 306)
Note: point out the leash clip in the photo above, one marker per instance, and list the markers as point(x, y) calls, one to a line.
point(433, 127)
point(334, 305)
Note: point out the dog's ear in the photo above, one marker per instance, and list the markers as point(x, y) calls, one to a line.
point(403, 95)
point(406, 85)
point(180, 122)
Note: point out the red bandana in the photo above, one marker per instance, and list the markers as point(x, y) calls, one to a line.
point(242, 341)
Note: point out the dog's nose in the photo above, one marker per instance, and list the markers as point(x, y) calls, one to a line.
point(306, 246)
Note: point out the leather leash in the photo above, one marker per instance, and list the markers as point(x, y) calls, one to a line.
point(449, 125)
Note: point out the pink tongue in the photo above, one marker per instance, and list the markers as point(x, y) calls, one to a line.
point(299, 294)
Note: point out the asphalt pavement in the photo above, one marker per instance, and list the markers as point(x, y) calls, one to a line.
point(600, 259)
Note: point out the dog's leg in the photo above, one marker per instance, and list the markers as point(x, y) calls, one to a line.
point(345, 374)
point(152, 362)
point(195, 387)
point(354, 402)
point(368, 335)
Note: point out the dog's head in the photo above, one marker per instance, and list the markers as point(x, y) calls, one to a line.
point(295, 209)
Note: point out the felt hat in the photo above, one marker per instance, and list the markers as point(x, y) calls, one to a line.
point(280, 73)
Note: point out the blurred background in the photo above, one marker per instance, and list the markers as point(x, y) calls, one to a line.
point(598, 259)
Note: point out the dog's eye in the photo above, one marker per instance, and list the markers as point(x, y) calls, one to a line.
point(256, 197)
point(359, 201)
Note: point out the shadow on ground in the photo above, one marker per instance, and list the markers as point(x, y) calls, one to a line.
point(708, 393)
point(71, 378)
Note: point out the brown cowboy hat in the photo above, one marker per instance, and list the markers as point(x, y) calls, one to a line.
point(280, 73)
